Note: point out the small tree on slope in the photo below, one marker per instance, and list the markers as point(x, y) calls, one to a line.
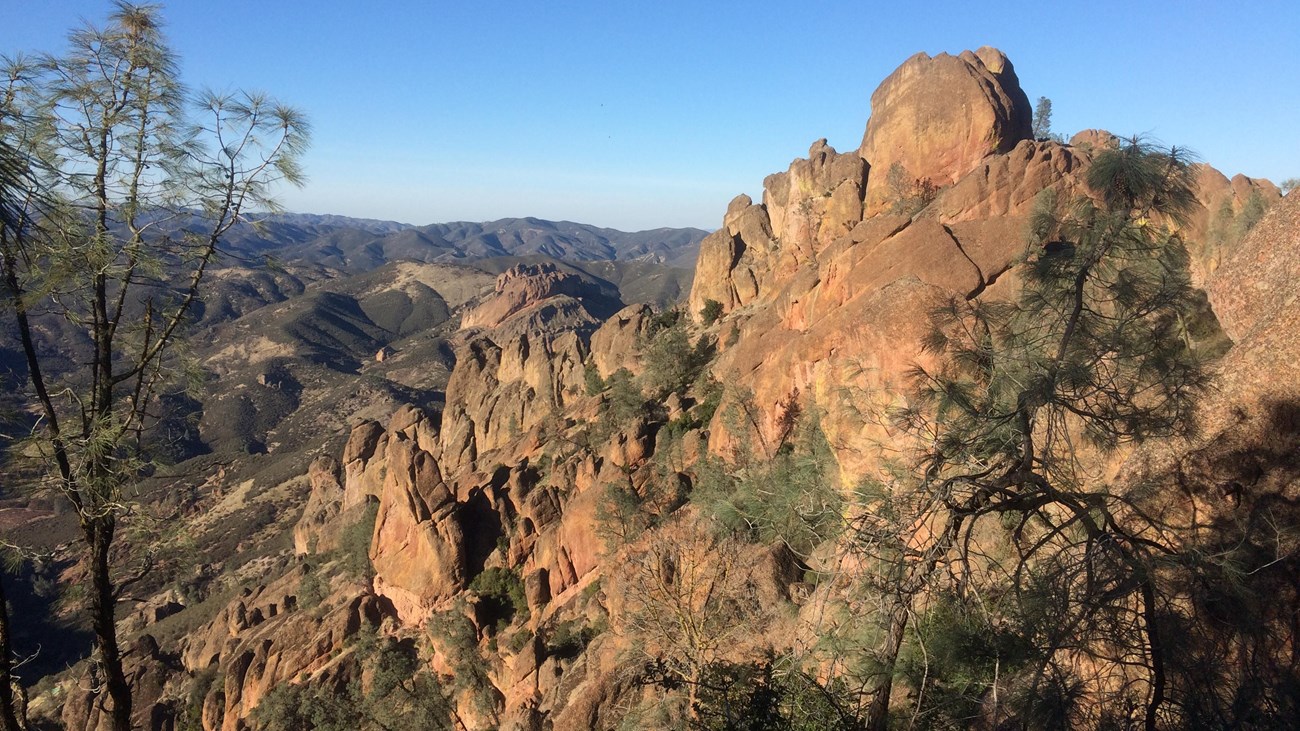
point(144, 196)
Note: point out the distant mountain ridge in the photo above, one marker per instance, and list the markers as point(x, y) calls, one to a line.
point(357, 244)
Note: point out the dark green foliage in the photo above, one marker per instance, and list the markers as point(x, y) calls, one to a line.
point(192, 716)
point(791, 498)
point(243, 419)
point(625, 399)
point(710, 312)
point(623, 404)
point(1094, 352)
point(591, 378)
point(958, 655)
point(709, 393)
point(672, 362)
point(569, 638)
point(354, 543)
point(454, 635)
point(399, 696)
point(405, 312)
point(760, 696)
point(295, 707)
point(501, 596)
point(662, 321)
point(1043, 119)
point(313, 588)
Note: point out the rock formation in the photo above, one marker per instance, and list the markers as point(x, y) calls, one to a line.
point(826, 305)
point(939, 117)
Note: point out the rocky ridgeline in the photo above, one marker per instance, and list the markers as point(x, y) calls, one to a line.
point(822, 288)
point(826, 282)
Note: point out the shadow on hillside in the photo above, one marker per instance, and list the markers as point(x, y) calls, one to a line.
point(1235, 634)
point(43, 641)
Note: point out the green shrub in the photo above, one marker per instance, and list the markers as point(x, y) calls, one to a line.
point(623, 404)
point(791, 498)
point(711, 311)
point(200, 686)
point(662, 321)
point(764, 696)
point(673, 363)
point(569, 638)
point(501, 594)
point(399, 695)
point(453, 634)
point(354, 544)
point(591, 378)
point(313, 588)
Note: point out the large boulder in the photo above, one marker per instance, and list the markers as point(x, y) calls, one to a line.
point(938, 117)
point(363, 474)
point(615, 344)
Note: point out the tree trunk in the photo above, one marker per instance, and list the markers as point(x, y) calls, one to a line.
point(99, 534)
point(878, 711)
point(8, 715)
point(1157, 656)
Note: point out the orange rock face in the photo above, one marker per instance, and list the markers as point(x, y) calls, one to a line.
point(828, 301)
point(326, 500)
point(613, 346)
point(522, 287)
point(419, 547)
point(938, 117)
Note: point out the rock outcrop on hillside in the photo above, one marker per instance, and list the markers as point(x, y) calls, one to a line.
point(1255, 298)
point(939, 117)
point(826, 282)
point(520, 361)
point(823, 288)
point(445, 500)
point(544, 288)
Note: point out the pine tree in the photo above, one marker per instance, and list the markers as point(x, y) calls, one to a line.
point(1043, 119)
point(140, 195)
point(1092, 355)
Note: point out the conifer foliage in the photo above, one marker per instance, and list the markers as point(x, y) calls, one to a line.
point(1092, 355)
point(134, 183)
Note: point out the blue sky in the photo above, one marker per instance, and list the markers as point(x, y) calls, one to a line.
point(646, 114)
